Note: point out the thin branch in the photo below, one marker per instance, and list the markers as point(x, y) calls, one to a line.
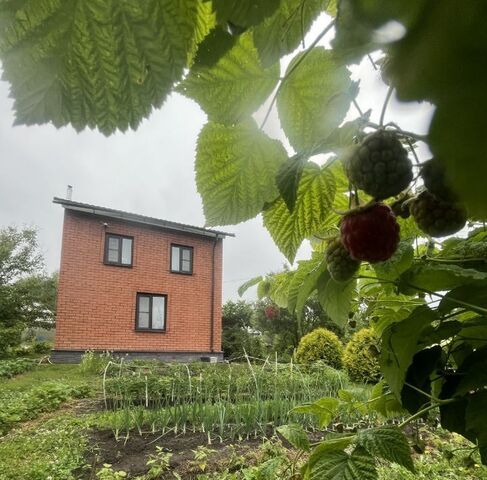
point(294, 67)
point(425, 410)
point(384, 107)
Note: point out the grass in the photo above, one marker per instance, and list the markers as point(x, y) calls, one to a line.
point(53, 450)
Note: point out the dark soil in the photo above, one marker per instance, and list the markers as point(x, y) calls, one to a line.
point(131, 454)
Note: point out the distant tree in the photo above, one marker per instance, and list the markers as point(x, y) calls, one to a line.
point(279, 327)
point(238, 336)
point(27, 297)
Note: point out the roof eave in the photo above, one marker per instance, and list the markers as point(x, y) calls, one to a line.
point(140, 219)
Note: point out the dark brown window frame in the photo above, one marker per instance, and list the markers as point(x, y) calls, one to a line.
point(151, 296)
point(185, 247)
point(119, 262)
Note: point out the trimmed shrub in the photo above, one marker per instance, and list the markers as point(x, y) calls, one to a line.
point(320, 344)
point(361, 357)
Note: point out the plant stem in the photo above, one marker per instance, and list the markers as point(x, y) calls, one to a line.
point(425, 410)
point(384, 107)
point(406, 133)
point(294, 67)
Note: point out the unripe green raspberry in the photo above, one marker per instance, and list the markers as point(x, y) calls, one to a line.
point(341, 265)
point(380, 165)
point(437, 217)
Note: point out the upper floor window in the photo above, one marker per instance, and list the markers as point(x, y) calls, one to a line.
point(118, 250)
point(181, 259)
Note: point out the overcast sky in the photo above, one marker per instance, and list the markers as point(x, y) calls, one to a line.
point(149, 171)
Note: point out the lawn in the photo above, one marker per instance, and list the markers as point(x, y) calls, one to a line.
point(149, 420)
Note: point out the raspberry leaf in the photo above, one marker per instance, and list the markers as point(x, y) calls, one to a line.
point(316, 192)
point(295, 435)
point(388, 443)
point(400, 343)
point(233, 88)
point(282, 33)
point(336, 297)
point(339, 465)
point(103, 63)
point(236, 168)
point(288, 178)
point(249, 284)
point(244, 13)
point(314, 98)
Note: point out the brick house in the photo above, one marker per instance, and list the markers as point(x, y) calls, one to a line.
point(137, 286)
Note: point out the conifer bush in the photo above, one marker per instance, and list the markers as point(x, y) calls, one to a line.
point(361, 357)
point(320, 344)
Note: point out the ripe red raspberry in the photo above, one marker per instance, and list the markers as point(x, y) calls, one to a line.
point(370, 234)
point(271, 312)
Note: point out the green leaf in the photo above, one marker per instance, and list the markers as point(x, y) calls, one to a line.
point(399, 343)
point(438, 61)
point(235, 171)
point(397, 264)
point(438, 277)
point(314, 98)
point(329, 445)
point(336, 297)
point(234, 87)
point(473, 372)
point(338, 465)
point(476, 421)
point(325, 409)
point(263, 288)
point(342, 137)
point(288, 178)
point(315, 197)
point(474, 295)
point(214, 46)
point(102, 63)
point(388, 443)
point(279, 288)
point(295, 435)
point(424, 364)
point(303, 282)
point(384, 402)
point(248, 284)
point(244, 13)
point(282, 33)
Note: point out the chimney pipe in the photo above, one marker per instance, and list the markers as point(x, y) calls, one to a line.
point(69, 193)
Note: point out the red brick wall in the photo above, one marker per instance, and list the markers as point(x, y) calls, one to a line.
point(96, 302)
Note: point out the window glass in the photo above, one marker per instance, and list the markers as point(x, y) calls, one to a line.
point(143, 318)
point(144, 304)
point(112, 255)
point(127, 251)
point(186, 266)
point(175, 259)
point(158, 310)
point(113, 243)
point(186, 254)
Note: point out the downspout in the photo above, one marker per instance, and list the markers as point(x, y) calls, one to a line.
point(212, 314)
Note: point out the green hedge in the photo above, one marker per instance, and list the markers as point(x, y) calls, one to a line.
point(361, 357)
point(320, 344)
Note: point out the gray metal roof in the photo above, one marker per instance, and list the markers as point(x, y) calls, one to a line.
point(136, 218)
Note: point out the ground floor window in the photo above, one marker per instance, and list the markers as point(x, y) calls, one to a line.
point(151, 312)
